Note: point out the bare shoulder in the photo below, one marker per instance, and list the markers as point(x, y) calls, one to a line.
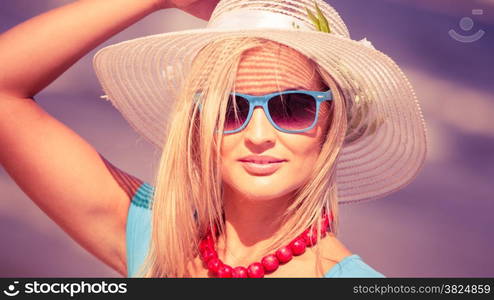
point(333, 250)
point(67, 178)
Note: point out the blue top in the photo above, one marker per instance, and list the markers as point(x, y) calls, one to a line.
point(139, 234)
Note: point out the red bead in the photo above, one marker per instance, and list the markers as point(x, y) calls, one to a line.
point(323, 233)
point(206, 243)
point(310, 237)
point(298, 246)
point(255, 270)
point(214, 265)
point(208, 254)
point(270, 263)
point(284, 254)
point(225, 271)
point(240, 272)
point(325, 225)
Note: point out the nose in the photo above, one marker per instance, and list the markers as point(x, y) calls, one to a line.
point(259, 131)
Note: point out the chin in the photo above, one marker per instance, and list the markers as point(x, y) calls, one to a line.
point(262, 188)
point(259, 196)
point(252, 187)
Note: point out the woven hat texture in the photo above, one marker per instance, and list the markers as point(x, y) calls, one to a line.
point(142, 78)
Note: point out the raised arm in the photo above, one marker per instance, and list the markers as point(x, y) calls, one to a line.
point(55, 167)
point(37, 51)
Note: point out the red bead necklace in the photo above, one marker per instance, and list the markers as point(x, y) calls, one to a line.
point(269, 263)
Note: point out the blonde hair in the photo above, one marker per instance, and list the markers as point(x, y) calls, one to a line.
point(188, 184)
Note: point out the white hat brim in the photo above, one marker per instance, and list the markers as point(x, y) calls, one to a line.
point(142, 77)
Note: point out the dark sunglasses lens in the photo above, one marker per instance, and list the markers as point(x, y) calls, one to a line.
point(236, 112)
point(293, 111)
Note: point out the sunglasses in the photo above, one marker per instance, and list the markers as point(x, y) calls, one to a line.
point(292, 111)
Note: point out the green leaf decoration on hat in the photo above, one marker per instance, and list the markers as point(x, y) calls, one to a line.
point(363, 120)
point(320, 21)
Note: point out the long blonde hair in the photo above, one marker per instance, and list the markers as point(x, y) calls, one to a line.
point(188, 184)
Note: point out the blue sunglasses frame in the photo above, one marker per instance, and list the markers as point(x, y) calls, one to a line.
point(262, 101)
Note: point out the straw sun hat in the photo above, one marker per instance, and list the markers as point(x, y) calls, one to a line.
point(141, 78)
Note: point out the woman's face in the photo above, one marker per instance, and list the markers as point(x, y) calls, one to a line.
point(262, 71)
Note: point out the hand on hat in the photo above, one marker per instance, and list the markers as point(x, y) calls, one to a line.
point(198, 8)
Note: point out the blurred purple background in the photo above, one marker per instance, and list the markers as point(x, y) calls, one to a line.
point(438, 226)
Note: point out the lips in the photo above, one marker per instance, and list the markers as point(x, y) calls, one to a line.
point(261, 165)
point(261, 159)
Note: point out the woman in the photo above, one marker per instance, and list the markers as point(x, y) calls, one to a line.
point(266, 124)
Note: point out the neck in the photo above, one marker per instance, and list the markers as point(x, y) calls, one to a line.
point(250, 225)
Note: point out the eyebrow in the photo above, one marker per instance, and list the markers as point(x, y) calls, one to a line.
point(293, 89)
point(303, 88)
point(289, 89)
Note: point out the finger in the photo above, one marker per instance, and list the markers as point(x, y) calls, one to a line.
point(201, 9)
